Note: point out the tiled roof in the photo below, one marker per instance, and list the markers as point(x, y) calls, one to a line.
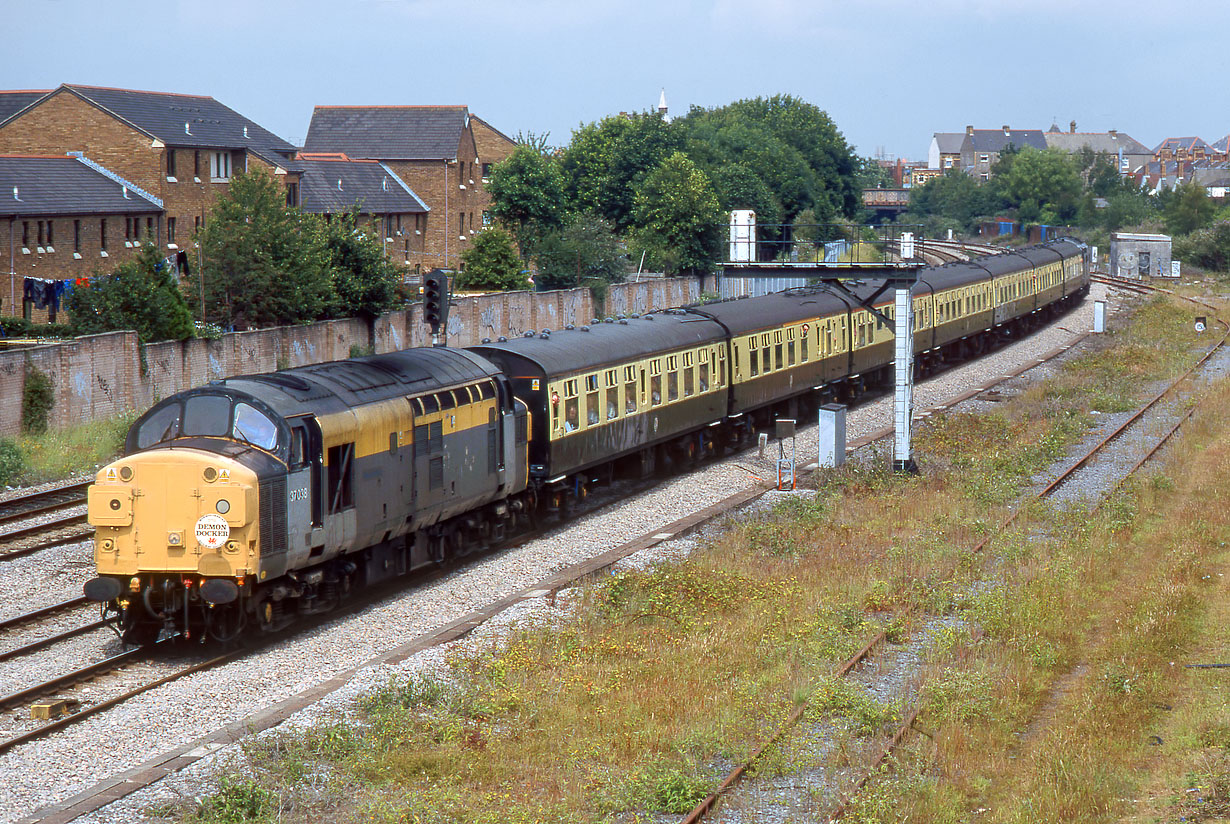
point(11, 102)
point(62, 185)
point(190, 121)
point(1097, 141)
point(388, 132)
point(996, 140)
point(333, 183)
point(1222, 145)
point(1177, 143)
point(949, 142)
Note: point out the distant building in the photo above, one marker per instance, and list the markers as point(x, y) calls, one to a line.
point(1128, 153)
point(1214, 177)
point(1191, 149)
point(64, 218)
point(1135, 255)
point(945, 151)
point(981, 148)
point(433, 149)
point(493, 147)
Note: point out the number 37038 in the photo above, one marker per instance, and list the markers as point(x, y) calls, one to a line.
point(298, 495)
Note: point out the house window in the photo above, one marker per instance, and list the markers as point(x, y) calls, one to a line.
point(136, 230)
point(40, 233)
point(486, 171)
point(25, 234)
point(984, 158)
point(170, 163)
point(170, 230)
point(196, 166)
point(51, 241)
point(102, 234)
point(292, 194)
point(461, 221)
point(948, 163)
point(220, 166)
point(76, 235)
point(149, 228)
point(984, 176)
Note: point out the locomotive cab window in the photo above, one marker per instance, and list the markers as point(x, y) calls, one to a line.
point(208, 415)
point(163, 425)
point(254, 426)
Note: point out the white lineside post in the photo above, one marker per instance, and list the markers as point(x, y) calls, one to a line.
point(903, 400)
point(1099, 316)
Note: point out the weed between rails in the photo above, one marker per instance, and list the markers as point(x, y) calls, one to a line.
point(638, 697)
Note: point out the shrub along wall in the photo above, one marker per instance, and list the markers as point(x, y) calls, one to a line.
point(100, 376)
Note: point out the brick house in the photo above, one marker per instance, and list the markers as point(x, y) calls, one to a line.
point(11, 102)
point(493, 147)
point(333, 183)
point(981, 148)
point(944, 153)
point(433, 149)
point(1190, 149)
point(1129, 154)
point(182, 149)
point(64, 218)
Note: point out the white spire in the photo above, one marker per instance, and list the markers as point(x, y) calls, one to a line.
point(662, 106)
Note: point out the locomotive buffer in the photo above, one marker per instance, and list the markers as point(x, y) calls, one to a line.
point(900, 275)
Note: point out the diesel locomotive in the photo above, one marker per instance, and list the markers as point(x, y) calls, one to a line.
point(244, 503)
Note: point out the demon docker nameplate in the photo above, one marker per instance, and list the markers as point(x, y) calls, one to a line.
point(212, 531)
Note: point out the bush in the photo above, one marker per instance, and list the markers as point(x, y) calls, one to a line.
point(1208, 248)
point(12, 327)
point(11, 461)
point(37, 398)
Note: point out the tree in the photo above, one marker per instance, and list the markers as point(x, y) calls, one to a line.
point(527, 194)
point(678, 218)
point(585, 249)
point(1188, 209)
point(1208, 248)
point(738, 187)
point(263, 263)
point(364, 281)
point(491, 263)
point(141, 294)
point(955, 196)
point(1043, 186)
point(606, 162)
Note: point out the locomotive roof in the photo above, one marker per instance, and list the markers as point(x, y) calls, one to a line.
point(364, 380)
point(586, 348)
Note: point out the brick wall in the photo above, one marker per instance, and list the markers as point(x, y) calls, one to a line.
point(100, 376)
point(61, 264)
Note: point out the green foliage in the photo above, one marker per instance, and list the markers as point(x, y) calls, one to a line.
point(1043, 186)
point(954, 196)
point(364, 280)
point(678, 217)
point(238, 800)
point(11, 462)
point(607, 161)
point(1208, 248)
point(37, 398)
point(738, 187)
point(527, 195)
point(264, 264)
point(585, 249)
point(491, 262)
point(1188, 208)
point(13, 327)
point(142, 294)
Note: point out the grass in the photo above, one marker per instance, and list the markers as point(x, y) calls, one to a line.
point(639, 698)
point(65, 453)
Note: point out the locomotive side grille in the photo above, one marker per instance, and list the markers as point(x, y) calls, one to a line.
point(420, 440)
point(273, 516)
point(493, 457)
point(435, 473)
point(437, 437)
point(521, 429)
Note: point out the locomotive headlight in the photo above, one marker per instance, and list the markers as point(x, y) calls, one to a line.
point(174, 538)
point(210, 474)
point(224, 506)
point(134, 584)
point(125, 473)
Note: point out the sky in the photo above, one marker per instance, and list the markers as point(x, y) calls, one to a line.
point(890, 73)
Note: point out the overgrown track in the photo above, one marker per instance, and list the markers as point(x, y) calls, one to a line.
point(1090, 455)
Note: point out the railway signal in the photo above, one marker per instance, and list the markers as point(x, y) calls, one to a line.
point(435, 302)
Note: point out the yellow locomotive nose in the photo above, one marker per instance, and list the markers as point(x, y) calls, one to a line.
point(178, 511)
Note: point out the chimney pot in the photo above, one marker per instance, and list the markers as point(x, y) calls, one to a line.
point(1114, 134)
point(969, 130)
point(1007, 131)
point(1072, 127)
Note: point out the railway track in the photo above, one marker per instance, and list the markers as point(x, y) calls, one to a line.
point(878, 639)
point(26, 539)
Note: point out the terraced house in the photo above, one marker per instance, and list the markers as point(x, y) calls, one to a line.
point(181, 149)
point(435, 151)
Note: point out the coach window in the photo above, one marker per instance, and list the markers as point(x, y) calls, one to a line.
point(803, 348)
point(591, 399)
point(655, 382)
point(702, 372)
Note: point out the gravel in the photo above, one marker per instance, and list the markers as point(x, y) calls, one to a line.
point(184, 710)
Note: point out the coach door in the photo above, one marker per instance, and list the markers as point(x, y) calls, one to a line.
point(305, 507)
